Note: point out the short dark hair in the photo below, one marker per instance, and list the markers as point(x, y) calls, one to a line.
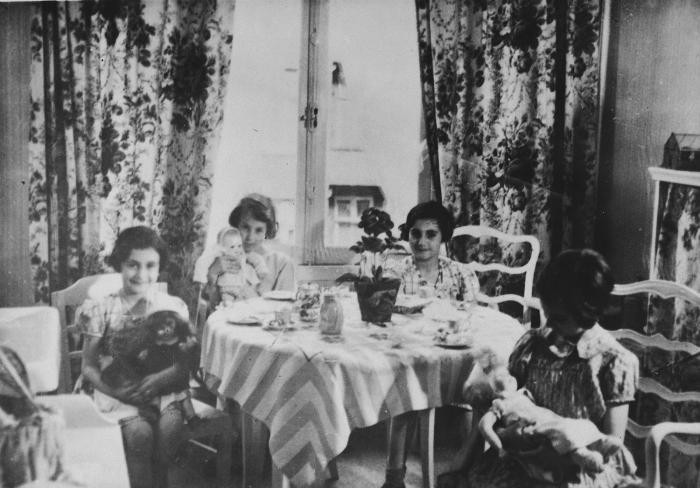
point(138, 237)
point(429, 210)
point(260, 208)
point(579, 279)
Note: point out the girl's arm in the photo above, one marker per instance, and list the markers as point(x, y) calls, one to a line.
point(153, 384)
point(91, 372)
point(615, 420)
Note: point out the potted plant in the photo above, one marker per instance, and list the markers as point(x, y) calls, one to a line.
point(376, 292)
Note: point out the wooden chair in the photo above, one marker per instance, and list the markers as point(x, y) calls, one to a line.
point(215, 424)
point(528, 269)
point(650, 384)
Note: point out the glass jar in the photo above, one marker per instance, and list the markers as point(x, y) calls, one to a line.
point(331, 316)
point(308, 301)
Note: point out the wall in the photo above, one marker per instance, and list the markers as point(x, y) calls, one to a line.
point(653, 89)
point(15, 284)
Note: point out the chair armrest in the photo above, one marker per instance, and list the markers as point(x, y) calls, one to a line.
point(653, 445)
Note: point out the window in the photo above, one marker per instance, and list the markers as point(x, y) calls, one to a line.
point(323, 115)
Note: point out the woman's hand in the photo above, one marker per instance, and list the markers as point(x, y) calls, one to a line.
point(126, 394)
point(257, 261)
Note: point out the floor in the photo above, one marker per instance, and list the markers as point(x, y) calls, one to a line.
point(362, 464)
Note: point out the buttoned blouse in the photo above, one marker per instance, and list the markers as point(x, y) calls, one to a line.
point(454, 279)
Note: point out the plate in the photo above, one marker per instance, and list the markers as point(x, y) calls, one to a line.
point(448, 345)
point(279, 328)
point(410, 306)
point(283, 295)
point(245, 321)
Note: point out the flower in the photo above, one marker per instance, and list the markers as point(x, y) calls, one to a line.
point(373, 246)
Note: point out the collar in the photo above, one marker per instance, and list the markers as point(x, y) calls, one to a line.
point(442, 262)
point(591, 343)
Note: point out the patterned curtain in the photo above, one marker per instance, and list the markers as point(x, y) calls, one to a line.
point(677, 259)
point(126, 112)
point(510, 97)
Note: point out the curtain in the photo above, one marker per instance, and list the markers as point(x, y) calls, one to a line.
point(126, 110)
point(510, 97)
point(677, 258)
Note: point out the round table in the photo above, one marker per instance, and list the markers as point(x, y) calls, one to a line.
point(311, 390)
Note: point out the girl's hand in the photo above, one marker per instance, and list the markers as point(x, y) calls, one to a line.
point(257, 261)
point(230, 264)
point(126, 394)
point(147, 389)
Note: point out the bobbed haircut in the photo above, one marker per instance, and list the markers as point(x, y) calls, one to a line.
point(429, 210)
point(138, 237)
point(581, 281)
point(260, 208)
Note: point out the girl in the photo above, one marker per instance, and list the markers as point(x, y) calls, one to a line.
point(148, 442)
point(254, 217)
point(571, 366)
point(428, 225)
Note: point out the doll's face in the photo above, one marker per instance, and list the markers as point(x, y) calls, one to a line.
point(231, 245)
point(166, 331)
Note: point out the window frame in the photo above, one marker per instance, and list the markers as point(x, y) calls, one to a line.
point(312, 140)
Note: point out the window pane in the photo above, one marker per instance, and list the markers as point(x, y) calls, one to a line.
point(344, 208)
point(362, 205)
point(375, 109)
point(258, 149)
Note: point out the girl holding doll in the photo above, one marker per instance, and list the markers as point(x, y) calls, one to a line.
point(571, 366)
point(150, 442)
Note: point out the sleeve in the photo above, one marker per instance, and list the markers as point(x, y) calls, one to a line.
point(283, 273)
point(90, 318)
point(520, 358)
point(210, 291)
point(180, 307)
point(202, 266)
point(618, 377)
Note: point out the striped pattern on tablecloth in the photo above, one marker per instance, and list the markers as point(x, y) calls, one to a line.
point(312, 393)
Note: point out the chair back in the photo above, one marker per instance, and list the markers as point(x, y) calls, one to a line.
point(662, 390)
point(485, 234)
point(66, 301)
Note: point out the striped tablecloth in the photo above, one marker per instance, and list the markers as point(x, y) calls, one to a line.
point(311, 391)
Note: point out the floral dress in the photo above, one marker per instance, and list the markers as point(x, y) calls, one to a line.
point(580, 381)
point(455, 280)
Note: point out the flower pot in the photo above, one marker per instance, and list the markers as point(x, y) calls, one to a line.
point(377, 299)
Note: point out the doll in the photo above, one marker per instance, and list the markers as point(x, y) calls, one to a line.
point(160, 340)
point(246, 282)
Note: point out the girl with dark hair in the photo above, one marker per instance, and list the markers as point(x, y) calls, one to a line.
point(428, 225)
point(149, 442)
point(255, 218)
point(571, 366)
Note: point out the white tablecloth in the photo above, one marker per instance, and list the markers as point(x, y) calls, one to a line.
point(312, 391)
point(34, 334)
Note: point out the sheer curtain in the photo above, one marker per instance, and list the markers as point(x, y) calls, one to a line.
point(126, 109)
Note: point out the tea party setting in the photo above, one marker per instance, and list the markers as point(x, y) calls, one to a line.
point(312, 361)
